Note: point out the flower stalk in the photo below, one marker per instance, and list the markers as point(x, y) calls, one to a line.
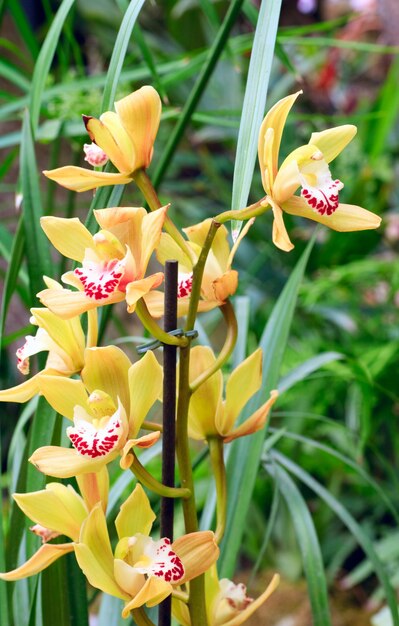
point(154, 485)
point(219, 472)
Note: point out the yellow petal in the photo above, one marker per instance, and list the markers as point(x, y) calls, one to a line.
point(135, 515)
point(333, 140)
point(220, 246)
point(225, 286)
point(66, 303)
point(181, 613)
point(150, 235)
point(241, 385)
point(146, 441)
point(65, 462)
point(198, 552)
point(108, 133)
point(253, 606)
point(68, 335)
point(145, 387)
point(139, 288)
point(107, 369)
point(255, 422)
point(280, 235)
point(94, 487)
point(63, 394)
point(69, 236)
point(347, 218)
point(57, 507)
point(80, 179)
point(274, 119)
point(128, 578)
point(123, 222)
point(206, 400)
point(169, 249)
point(45, 556)
point(153, 592)
point(23, 392)
point(140, 113)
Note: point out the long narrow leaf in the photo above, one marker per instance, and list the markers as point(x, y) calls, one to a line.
point(245, 454)
point(10, 281)
point(308, 544)
point(349, 521)
point(45, 59)
point(307, 367)
point(254, 103)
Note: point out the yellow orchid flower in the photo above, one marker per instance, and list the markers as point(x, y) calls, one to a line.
point(141, 571)
point(306, 168)
point(58, 510)
point(114, 260)
point(219, 280)
point(107, 406)
point(227, 603)
point(64, 341)
point(126, 137)
point(211, 416)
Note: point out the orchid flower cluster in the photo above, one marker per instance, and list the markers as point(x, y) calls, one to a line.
point(107, 398)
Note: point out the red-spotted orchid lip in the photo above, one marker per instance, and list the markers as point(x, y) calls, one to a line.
point(101, 280)
point(23, 354)
point(94, 155)
point(161, 561)
point(235, 595)
point(92, 441)
point(184, 285)
point(323, 199)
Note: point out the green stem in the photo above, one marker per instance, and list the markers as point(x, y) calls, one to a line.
point(152, 426)
point(228, 347)
point(144, 183)
point(197, 588)
point(219, 472)
point(155, 330)
point(154, 485)
point(140, 618)
point(244, 214)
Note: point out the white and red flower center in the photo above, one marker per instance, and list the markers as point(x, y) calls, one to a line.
point(23, 357)
point(235, 595)
point(184, 285)
point(94, 155)
point(319, 190)
point(95, 442)
point(46, 534)
point(158, 559)
point(101, 280)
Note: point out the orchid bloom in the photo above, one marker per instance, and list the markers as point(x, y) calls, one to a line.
point(58, 510)
point(107, 407)
point(306, 168)
point(219, 280)
point(227, 603)
point(142, 570)
point(126, 137)
point(65, 342)
point(210, 415)
point(114, 260)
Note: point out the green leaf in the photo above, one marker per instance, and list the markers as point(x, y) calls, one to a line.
point(307, 367)
point(243, 462)
point(308, 544)
point(119, 53)
point(22, 24)
point(13, 268)
point(198, 89)
point(254, 104)
point(44, 60)
point(349, 521)
point(37, 247)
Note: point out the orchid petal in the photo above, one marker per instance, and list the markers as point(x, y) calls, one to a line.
point(63, 394)
point(135, 515)
point(68, 335)
point(94, 487)
point(280, 235)
point(57, 507)
point(80, 179)
point(153, 592)
point(225, 286)
point(333, 140)
point(65, 462)
point(169, 249)
point(66, 303)
point(107, 369)
point(25, 391)
point(123, 222)
point(146, 441)
point(139, 288)
point(253, 606)
point(198, 552)
point(108, 133)
point(128, 578)
point(145, 387)
point(68, 235)
point(206, 400)
point(274, 119)
point(347, 218)
point(150, 236)
point(140, 114)
point(255, 422)
point(45, 556)
point(241, 385)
